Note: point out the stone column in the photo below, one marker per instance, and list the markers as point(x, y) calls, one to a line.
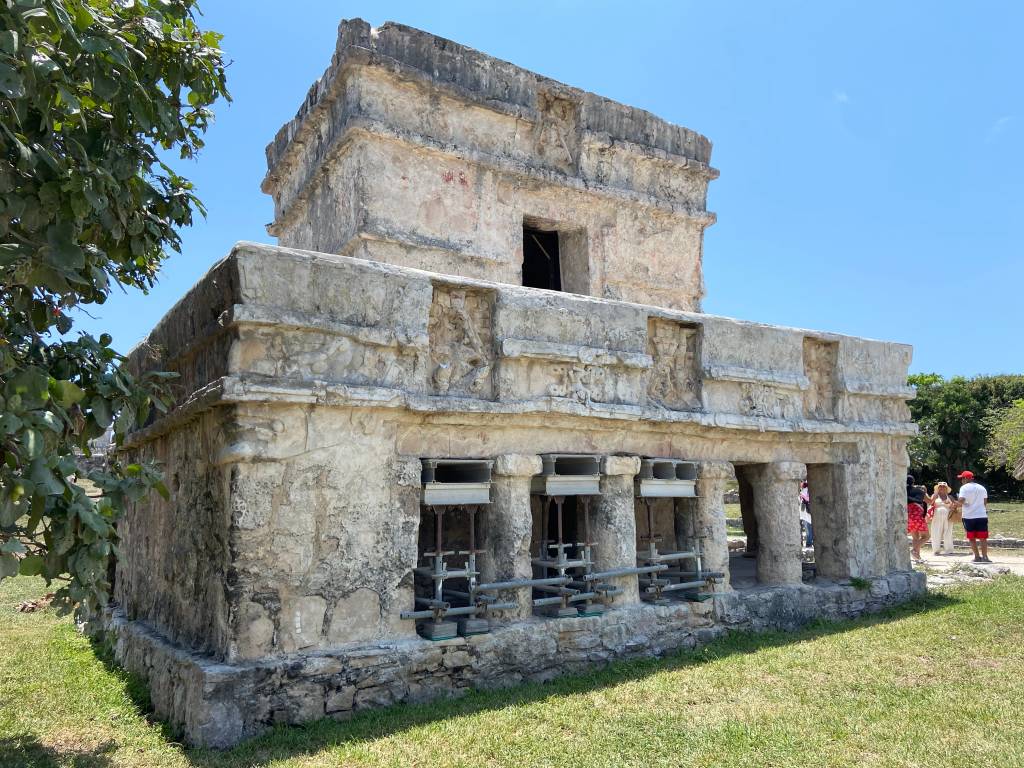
point(777, 506)
point(506, 527)
point(830, 516)
point(709, 519)
point(896, 549)
point(613, 524)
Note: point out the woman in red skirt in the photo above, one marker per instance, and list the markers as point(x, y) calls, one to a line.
point(917, 527)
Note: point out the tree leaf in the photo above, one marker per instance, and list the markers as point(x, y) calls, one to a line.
point(9, 424)
point(66, 393)
point(13, 547)
point(9, 41)
point(32, 565)
point(32, 384)
point(11, 83)
point(101, 411)
point(161, 488)
point(47, 483)
point(64, 252)
point(8, 566)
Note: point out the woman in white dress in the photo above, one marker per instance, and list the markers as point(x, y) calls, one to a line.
point(941, 506)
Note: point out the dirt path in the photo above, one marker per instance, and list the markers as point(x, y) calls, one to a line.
point(959, 568)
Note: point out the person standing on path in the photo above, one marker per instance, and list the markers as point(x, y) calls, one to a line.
point(805, 514)
point(973, 503)
point(939, 511)
point(916, 525)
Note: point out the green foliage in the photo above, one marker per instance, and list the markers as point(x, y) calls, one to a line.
point(1005, 448)
point(90, 90)
point(955, 419)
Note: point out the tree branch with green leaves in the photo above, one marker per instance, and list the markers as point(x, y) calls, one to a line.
point(91, 92)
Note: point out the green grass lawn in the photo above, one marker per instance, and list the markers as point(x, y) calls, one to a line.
point(864, 693)
point(1006, 518)
point(732, 511)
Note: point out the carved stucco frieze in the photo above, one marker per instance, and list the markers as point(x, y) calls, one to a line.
point(583, 383)
point(674, 381)
point(820, 369)
point(556, 133)
point(768, 401)
point(461, 342)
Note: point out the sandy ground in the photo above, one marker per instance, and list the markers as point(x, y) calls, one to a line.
point(941, 569)
point(956, 568)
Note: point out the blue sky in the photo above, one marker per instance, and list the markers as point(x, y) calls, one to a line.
point(871, 153)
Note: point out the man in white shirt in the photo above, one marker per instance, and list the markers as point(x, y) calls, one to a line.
point(973, 504)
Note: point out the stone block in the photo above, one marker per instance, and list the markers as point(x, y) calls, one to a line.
point(348, 619)
point(375, 697)
point(322, 666)
point(456, 659)
point(254, 631)
point(305, 702)
point(621, 465)
point(517, 465)
point(301, 622)
point(340, 700)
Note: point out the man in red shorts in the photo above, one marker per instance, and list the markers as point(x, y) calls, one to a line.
point(973, 503)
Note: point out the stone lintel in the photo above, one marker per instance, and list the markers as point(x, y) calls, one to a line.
point(715, 470)
point(573, 353)
point(620, 465)
point(756, 376)
point(517, 465)
point(785, 471)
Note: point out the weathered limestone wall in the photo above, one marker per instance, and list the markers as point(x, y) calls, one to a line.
point(418, 151)
point(325, 527)
point(351, 331)
point(324, 518)
point(338, 374)
point(217, 704)
point(175, 555)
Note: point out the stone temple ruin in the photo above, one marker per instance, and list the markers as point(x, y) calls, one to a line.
point(467, 426)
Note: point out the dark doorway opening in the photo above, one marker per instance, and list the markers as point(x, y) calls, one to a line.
point(540, 260)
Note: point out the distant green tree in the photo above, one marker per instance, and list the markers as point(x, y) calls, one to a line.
point(954, 418)
point(1005, 449)
point(90, 91)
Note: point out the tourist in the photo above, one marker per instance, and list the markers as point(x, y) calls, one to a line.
point(916, 525)
point(941, 506)
point(973, 503)
point(805, 514)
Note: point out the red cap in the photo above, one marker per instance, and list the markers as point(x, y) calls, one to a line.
point(965, 475)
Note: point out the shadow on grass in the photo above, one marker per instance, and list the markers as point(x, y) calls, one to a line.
point(284, 742)
point(27, 751)
point(134, 687)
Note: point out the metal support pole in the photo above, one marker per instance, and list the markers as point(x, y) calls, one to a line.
point(438, 553)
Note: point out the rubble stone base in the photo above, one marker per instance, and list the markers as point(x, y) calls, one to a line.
point(217, 704)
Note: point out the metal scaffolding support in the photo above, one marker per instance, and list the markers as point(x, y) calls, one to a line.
point(566, 582)
point(437, 609)
point(670, 578)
